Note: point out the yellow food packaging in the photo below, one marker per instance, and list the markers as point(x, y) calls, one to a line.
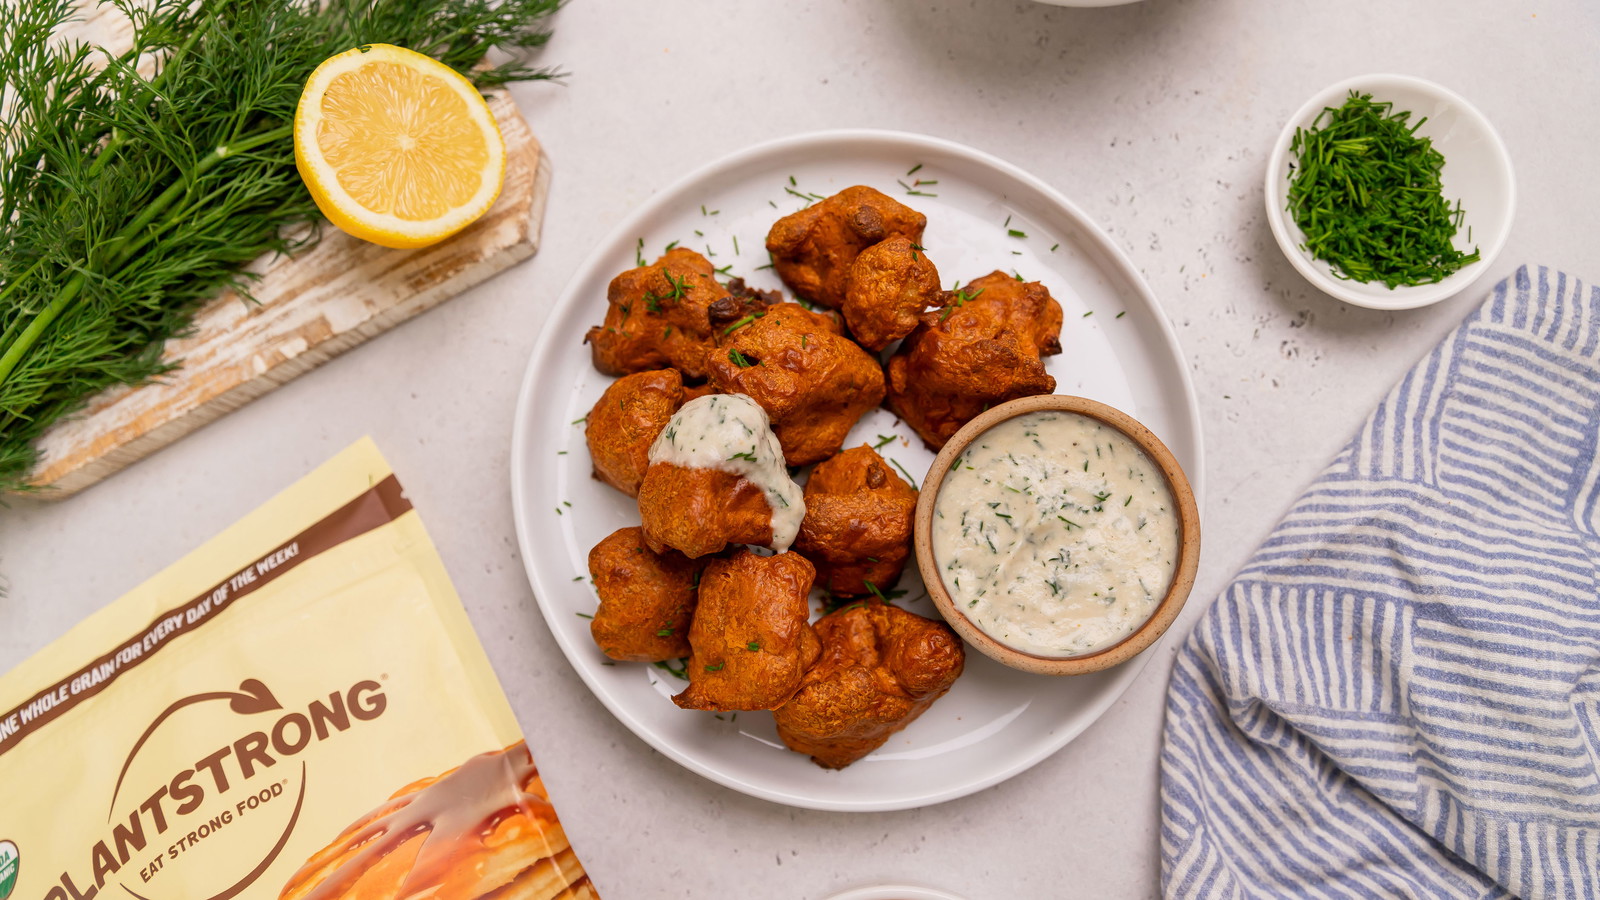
point(298, 709)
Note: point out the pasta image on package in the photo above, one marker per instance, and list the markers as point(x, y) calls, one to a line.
point(299, 709)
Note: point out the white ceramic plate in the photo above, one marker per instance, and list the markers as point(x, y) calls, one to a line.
point(995, 722)
point(1477, 171)
point(894, 892)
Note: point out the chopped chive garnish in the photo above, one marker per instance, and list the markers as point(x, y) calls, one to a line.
point(1015, 233)
point(914, 170)
point(909, 478)
point(1365, 191)
point(741, 323)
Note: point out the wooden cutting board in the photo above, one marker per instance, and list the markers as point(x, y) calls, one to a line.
point(309, 309)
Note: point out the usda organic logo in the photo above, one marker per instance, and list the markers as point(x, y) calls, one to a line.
point(10, 859)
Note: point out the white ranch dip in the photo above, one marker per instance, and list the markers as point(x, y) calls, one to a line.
point(1055, 534)
point(731, 433)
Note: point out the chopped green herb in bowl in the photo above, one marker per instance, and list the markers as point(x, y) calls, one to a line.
point(1389, 192)
point(1365, 189)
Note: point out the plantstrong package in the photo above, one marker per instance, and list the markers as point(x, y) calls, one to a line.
point(299, 709)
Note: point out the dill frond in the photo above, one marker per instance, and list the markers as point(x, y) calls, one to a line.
point(127, 200)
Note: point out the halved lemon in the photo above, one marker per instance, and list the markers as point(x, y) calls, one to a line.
point(396, 147)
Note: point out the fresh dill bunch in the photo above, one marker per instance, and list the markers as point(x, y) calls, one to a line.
point(127, 199)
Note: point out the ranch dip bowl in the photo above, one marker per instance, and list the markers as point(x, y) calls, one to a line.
point(1057, 535)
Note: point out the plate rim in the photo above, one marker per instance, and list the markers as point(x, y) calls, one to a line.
point(1110, 255)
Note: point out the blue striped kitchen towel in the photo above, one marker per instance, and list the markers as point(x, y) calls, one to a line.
point(1399, 694)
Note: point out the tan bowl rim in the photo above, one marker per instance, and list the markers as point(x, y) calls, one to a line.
point(1188, 537)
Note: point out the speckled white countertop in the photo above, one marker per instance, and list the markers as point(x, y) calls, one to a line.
point(1153, 117)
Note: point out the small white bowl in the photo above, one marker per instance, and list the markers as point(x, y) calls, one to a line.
point(1477, 171)
point(894, 892)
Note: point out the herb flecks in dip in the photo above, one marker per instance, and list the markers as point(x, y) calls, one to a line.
point(1055, 534)
point(731, 433)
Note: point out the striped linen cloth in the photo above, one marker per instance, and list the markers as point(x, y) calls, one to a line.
point(1399, 694)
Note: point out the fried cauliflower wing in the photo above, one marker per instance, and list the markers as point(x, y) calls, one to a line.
point(984, 347)
point(813, 382)
point(751, 639)
point(700, 511)
point(624, 423)
point(658, 316)
point(717, 477)
point(890, 285)
point(857, 528)
point(812, 249)
point(881, 667)
point(647, 599)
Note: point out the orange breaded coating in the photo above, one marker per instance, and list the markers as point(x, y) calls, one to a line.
point(812, 249)
point(881, 667)
point(658, 316)
point(700, 511)
point(857, 527)
point(624, 423)
point(646, 599)
point(813, 383)
point(891, 283)
point(751, 639)
point(702, 390)
point(983, 348)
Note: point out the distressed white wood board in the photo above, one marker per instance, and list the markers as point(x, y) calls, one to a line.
point(1118, 348)
point(308, 309)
